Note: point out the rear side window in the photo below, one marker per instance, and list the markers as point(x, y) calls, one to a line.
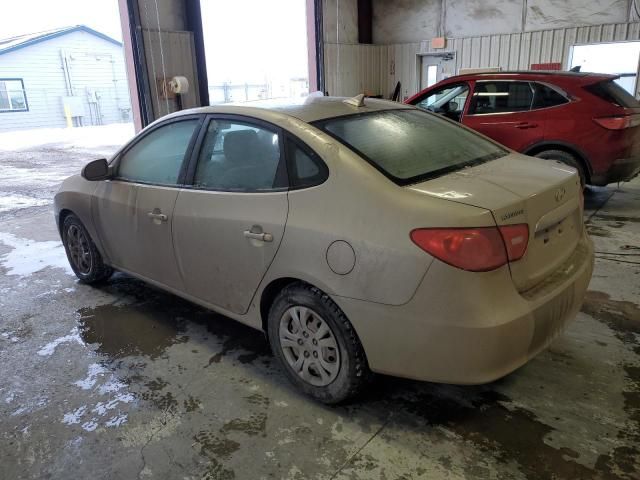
point(240, 157)
point(305, 168)
point(611, 92)
point(501, 97)
point(545, 97)
point(411, 145)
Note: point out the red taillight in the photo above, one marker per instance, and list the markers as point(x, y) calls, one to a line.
point(618, 122)
point(516, 239)
point(475, 249)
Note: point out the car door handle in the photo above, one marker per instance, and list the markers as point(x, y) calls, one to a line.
point(525, 125)
point(157, 216)
point(264, 237)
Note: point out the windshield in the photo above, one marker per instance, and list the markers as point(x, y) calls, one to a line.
point(409, 146)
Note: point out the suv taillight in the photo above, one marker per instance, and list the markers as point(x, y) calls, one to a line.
point(478, 249)
point(618, 122)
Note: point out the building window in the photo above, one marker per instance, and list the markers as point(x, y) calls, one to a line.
point(12, 95)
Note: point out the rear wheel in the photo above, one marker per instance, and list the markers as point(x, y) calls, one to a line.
point(566, 158)
point(84, 258)
point(316, 345)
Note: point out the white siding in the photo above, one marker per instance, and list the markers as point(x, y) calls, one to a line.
point(399, 62)
point(94, 64)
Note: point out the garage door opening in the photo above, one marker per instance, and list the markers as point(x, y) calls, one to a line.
point(64, 96)
point(255, 49)
point(618, 58)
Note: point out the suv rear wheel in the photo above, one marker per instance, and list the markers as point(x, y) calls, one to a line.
point(566, 158)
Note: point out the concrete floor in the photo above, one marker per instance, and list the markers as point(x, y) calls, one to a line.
point(126, 381)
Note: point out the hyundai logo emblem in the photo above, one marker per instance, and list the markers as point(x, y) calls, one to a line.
point(560, 194)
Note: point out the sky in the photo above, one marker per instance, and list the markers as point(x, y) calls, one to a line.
point(245, 40)
point(29, 16)
point(250, 40)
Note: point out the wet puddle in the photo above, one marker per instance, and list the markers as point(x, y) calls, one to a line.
point(598, 231)
point(125, 330)
point(156, 320)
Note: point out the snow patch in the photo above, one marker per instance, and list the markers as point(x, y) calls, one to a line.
point(50, 347)
point(29, 256)
point(90, 426)
point(16, 202)
point(81, 137)
point(116, 421)
point(90, 418)
point(93, 372)
point(74, 417)
point(21, 176)
point(10, 336)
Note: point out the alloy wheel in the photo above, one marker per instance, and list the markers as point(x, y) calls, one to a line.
point(79, 249)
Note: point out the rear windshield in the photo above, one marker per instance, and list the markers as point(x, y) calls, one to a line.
point(611, 92)
point(409, 146)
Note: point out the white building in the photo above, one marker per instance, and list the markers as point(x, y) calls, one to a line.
point(74, 69)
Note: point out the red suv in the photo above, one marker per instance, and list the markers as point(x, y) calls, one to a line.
point(583, 119)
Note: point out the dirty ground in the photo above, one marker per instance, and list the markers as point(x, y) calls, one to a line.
point(125, 381)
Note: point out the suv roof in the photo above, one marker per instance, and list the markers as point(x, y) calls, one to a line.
point(536, 73)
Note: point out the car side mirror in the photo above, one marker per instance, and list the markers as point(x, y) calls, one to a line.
point(96, 170)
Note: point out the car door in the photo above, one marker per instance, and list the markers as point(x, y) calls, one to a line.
point(133, 211)
point(449, 100)
point(228, 225)
point(501, 109)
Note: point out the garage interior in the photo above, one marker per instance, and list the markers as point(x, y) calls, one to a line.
point(128, 381)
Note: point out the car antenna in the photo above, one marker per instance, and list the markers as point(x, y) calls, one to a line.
point(357, 101)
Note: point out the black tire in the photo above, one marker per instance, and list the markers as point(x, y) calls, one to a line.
point(83, 256)
point(566, 158)
point(353, 372)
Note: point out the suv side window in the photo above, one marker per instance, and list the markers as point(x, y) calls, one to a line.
point(501, 97)
point(545, 97)
point(448, 101)
point(157, 158)
point(305, 168)
point(241, 157)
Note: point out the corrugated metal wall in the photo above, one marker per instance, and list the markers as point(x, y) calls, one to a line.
point(170, 53)
point(352, 69)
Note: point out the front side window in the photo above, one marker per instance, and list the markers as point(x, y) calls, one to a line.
point(448, 101)
point(157, 158)
point(409, 145)
point(239, 156)
point(501, 97)
point(12, 96)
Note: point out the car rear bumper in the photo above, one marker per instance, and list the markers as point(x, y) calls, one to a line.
point(470, 328)
point(621, 170)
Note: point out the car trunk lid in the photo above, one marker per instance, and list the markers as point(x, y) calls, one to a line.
point(517, 190)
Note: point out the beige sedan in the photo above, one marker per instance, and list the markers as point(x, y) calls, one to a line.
point(360, 238)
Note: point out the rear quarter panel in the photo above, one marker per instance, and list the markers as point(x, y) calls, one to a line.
point(358, 205)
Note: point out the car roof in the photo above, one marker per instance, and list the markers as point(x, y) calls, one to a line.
point(310, 110)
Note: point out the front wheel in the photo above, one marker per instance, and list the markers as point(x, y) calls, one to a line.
point(566, 158)
point(316, 345)
point(83, 256)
